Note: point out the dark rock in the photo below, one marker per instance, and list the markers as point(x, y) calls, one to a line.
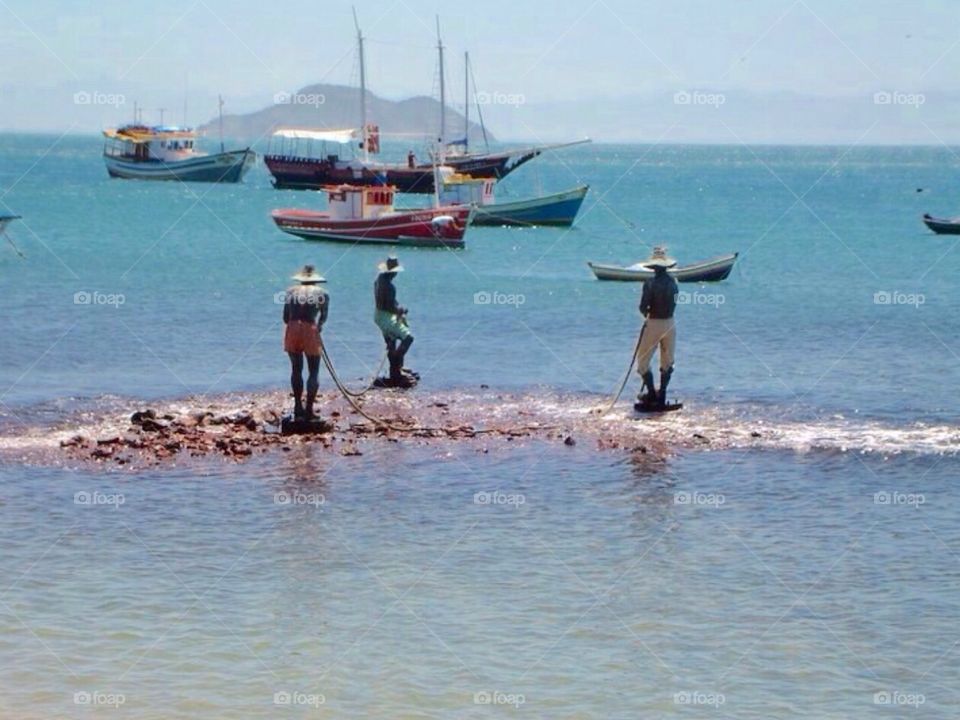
point(75, 441)
point(113, 440)
point(102, 452)
point(150, 425)
point(756, 434)
point(138, 417)
point(569, 441)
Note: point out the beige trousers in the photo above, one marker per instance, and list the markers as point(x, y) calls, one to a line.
point(657, 333)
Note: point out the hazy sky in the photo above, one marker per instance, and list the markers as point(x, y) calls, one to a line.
point(757, 70)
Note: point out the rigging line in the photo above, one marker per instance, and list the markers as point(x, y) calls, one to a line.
point(483, 128)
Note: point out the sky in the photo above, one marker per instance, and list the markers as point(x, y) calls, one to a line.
point(804, 71)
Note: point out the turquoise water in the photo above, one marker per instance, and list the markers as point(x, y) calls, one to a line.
point(785, 587)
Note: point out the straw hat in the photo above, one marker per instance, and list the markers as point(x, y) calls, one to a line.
point(390, 265)
point(307, 275)
point(659, 258)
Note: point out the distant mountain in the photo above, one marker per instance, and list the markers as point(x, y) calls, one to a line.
point(338, 106)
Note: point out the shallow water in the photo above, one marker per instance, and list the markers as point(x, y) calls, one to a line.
point(592, 585)
point(794, 560)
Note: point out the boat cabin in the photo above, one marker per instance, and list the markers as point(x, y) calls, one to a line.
point(141, 143)
point(353, 202)
point(459, 189)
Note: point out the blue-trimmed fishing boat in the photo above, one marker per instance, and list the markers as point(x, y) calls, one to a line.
point(140, 152)
point(558, 209)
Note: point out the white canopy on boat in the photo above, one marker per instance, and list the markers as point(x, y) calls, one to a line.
point(338, 136)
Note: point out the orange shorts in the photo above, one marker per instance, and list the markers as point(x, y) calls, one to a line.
point(301, 337)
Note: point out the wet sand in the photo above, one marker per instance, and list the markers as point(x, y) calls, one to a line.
point(129, 435)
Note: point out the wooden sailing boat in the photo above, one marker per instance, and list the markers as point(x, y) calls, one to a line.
point(309, 159)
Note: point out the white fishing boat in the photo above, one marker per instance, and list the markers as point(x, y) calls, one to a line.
point(142, 152)
point(711, 270)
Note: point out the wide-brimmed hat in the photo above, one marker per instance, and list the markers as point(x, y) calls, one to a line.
point(659, 258)
point(390, 265)
point(308, 274)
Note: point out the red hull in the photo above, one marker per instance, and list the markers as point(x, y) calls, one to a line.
point(415, 227)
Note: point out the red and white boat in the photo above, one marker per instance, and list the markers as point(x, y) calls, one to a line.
point(359, 214)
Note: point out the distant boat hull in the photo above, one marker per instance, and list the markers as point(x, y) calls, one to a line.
point(418, 228)
point(559, 209)
point(712, 270)
point(226, 167)
point(942, 226)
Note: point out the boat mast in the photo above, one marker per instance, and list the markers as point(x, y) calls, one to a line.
point(443, 97)
point(466, 100)
point(220, 103)
point(363, 89)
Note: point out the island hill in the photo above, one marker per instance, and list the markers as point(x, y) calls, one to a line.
point(325, 106)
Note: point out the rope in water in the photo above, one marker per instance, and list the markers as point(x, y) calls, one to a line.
point(370, 385)
point(626, 377)
point(351, 398)
point(407, 428)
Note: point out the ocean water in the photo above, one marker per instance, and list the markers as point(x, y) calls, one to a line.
point(813, 577)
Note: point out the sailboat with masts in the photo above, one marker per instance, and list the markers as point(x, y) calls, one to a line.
point(309, 159)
